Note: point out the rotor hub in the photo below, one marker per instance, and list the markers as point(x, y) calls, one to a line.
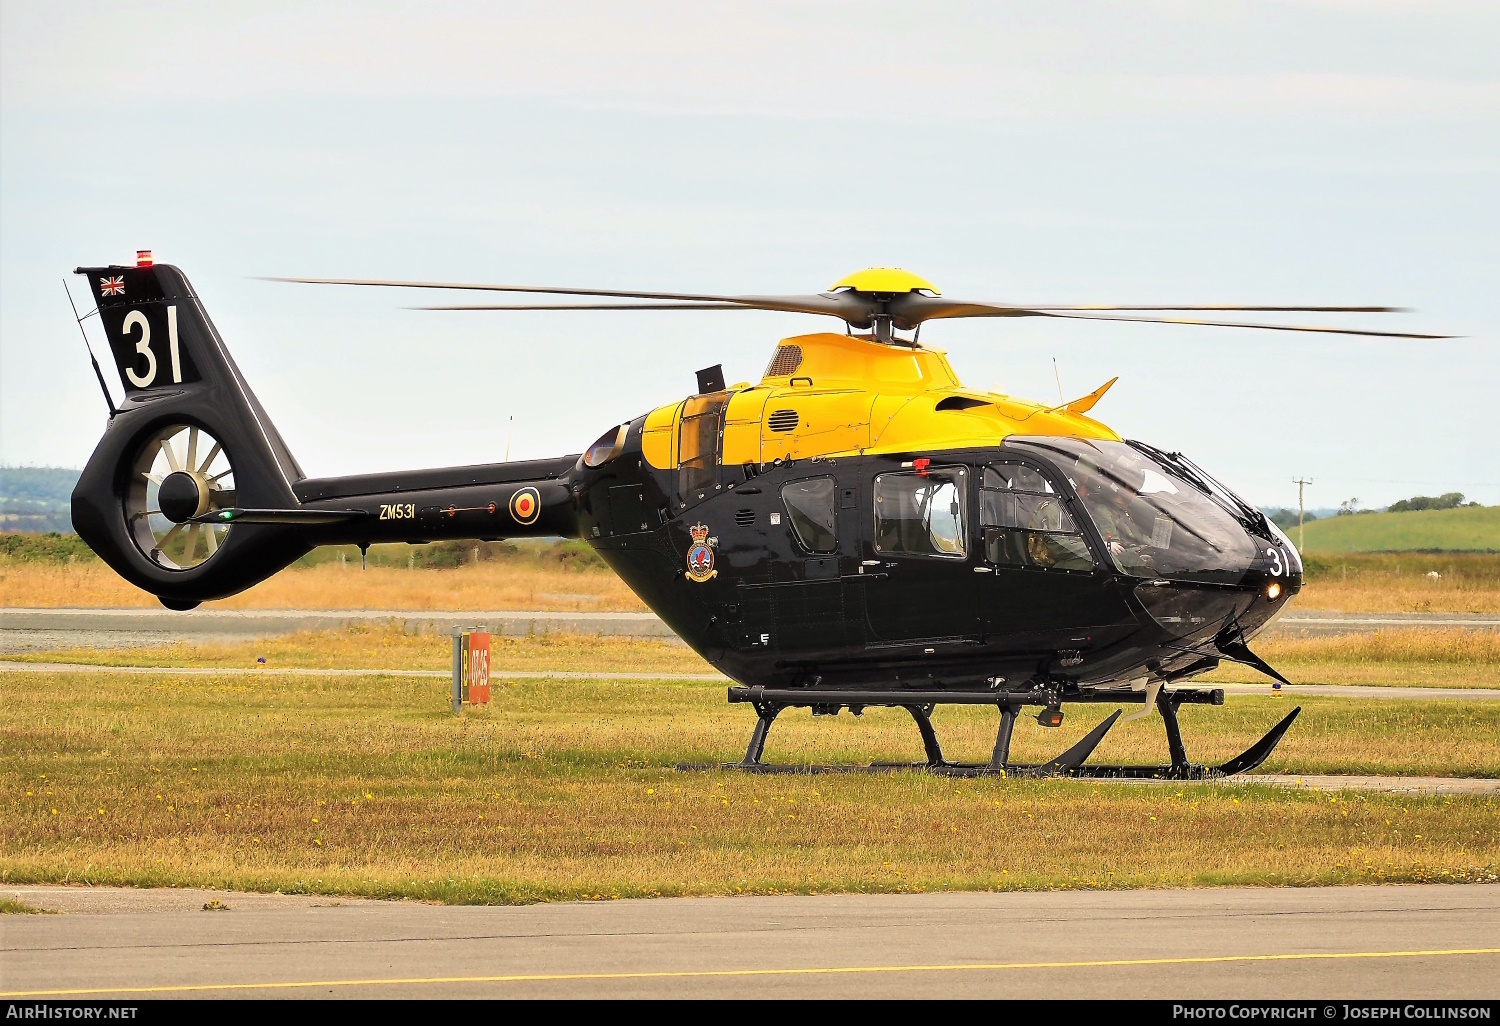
point(183, 495)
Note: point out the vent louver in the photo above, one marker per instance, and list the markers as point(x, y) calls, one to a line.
point(783, 420)
point(744, 517)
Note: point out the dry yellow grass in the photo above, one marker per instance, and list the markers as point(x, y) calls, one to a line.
point(361, 647)
point(1400, 645)
point(1429, 657)
point(565, 790)
point(1398, 596)
point(1417, 657)
point(1403, 582)
point(1387, 583)
point(486, 586)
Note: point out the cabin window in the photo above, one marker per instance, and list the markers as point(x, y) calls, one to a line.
point(921, 514)
point(700, 439)
point(1025, 523)
point(810, 505)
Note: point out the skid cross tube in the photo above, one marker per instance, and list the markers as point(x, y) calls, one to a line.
point(769, 702)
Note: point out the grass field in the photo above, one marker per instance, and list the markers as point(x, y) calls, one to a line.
point(565, 789)
point(1467, 529)
point(493, 585)
point(51, 570)
point(1401, 582)
point(536, 579)
point(1426, 657)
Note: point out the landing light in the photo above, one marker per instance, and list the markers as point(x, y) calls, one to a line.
point(1273, 591)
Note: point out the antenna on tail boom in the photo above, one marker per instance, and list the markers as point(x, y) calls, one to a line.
point(97, 372)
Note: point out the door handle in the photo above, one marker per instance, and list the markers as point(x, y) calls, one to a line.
point(983, 570)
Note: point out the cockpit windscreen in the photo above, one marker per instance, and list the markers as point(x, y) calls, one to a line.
point(1154, 521)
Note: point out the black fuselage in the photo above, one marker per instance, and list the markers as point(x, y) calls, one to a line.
point(852, 612)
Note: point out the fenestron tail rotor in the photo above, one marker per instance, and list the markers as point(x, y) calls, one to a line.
point(180, 473)
point(882, 299)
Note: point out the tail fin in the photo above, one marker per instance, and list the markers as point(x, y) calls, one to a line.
point(189, 434)
point(165, 346)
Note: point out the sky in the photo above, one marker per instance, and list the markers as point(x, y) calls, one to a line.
point(1331, 152)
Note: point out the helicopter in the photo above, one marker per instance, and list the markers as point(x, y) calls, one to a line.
point(856, 529)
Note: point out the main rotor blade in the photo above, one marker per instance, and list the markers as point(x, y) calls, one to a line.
point(475, 287)
point(843, 305)
point(911, 310)
point(552, 290)
point(596, 306)
point(1241, 324)
point(1087, 308)
point(859, 309)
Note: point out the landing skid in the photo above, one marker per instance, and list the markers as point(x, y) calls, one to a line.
point(769, 703)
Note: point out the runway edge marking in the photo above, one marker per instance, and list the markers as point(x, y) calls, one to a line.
point(711, 973)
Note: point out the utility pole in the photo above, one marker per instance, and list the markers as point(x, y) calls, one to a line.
point(1300, 483)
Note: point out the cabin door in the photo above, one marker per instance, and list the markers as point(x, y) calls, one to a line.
point(1042, 590)
point(917, 561)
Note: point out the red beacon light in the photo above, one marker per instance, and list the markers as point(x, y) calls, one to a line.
point(921, 465)
point(143, 258)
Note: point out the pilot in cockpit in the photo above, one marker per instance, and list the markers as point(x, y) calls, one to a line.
point(1125, 538)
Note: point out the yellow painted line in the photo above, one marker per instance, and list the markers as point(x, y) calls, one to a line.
point(712, 973)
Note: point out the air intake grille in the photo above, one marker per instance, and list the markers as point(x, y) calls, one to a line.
point(786, 360)
point(782, 420)
point(744, 517)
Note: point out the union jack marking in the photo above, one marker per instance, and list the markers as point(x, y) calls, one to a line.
point(114, 286)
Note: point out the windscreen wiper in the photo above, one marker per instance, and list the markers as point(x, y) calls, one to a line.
point(1255, 517)
point(1247, 515)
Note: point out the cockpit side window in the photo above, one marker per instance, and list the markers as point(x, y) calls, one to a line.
point(810, 505)
point(921, 514)
point(1025, 523)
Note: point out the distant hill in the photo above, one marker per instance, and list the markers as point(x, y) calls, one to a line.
point(1469, 529)
point(34, 500)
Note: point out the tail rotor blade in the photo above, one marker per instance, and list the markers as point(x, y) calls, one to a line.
point(171, 454)
point(208, 461)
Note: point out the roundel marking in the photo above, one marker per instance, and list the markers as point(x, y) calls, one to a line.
point(526, 506)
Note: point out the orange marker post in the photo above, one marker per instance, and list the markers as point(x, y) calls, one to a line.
point(471, 667)
point(477, 667)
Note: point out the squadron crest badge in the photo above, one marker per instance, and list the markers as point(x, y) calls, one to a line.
point(700, 558)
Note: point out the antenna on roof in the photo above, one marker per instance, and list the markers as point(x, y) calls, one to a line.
point(1058, 378)
point(97, 372)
